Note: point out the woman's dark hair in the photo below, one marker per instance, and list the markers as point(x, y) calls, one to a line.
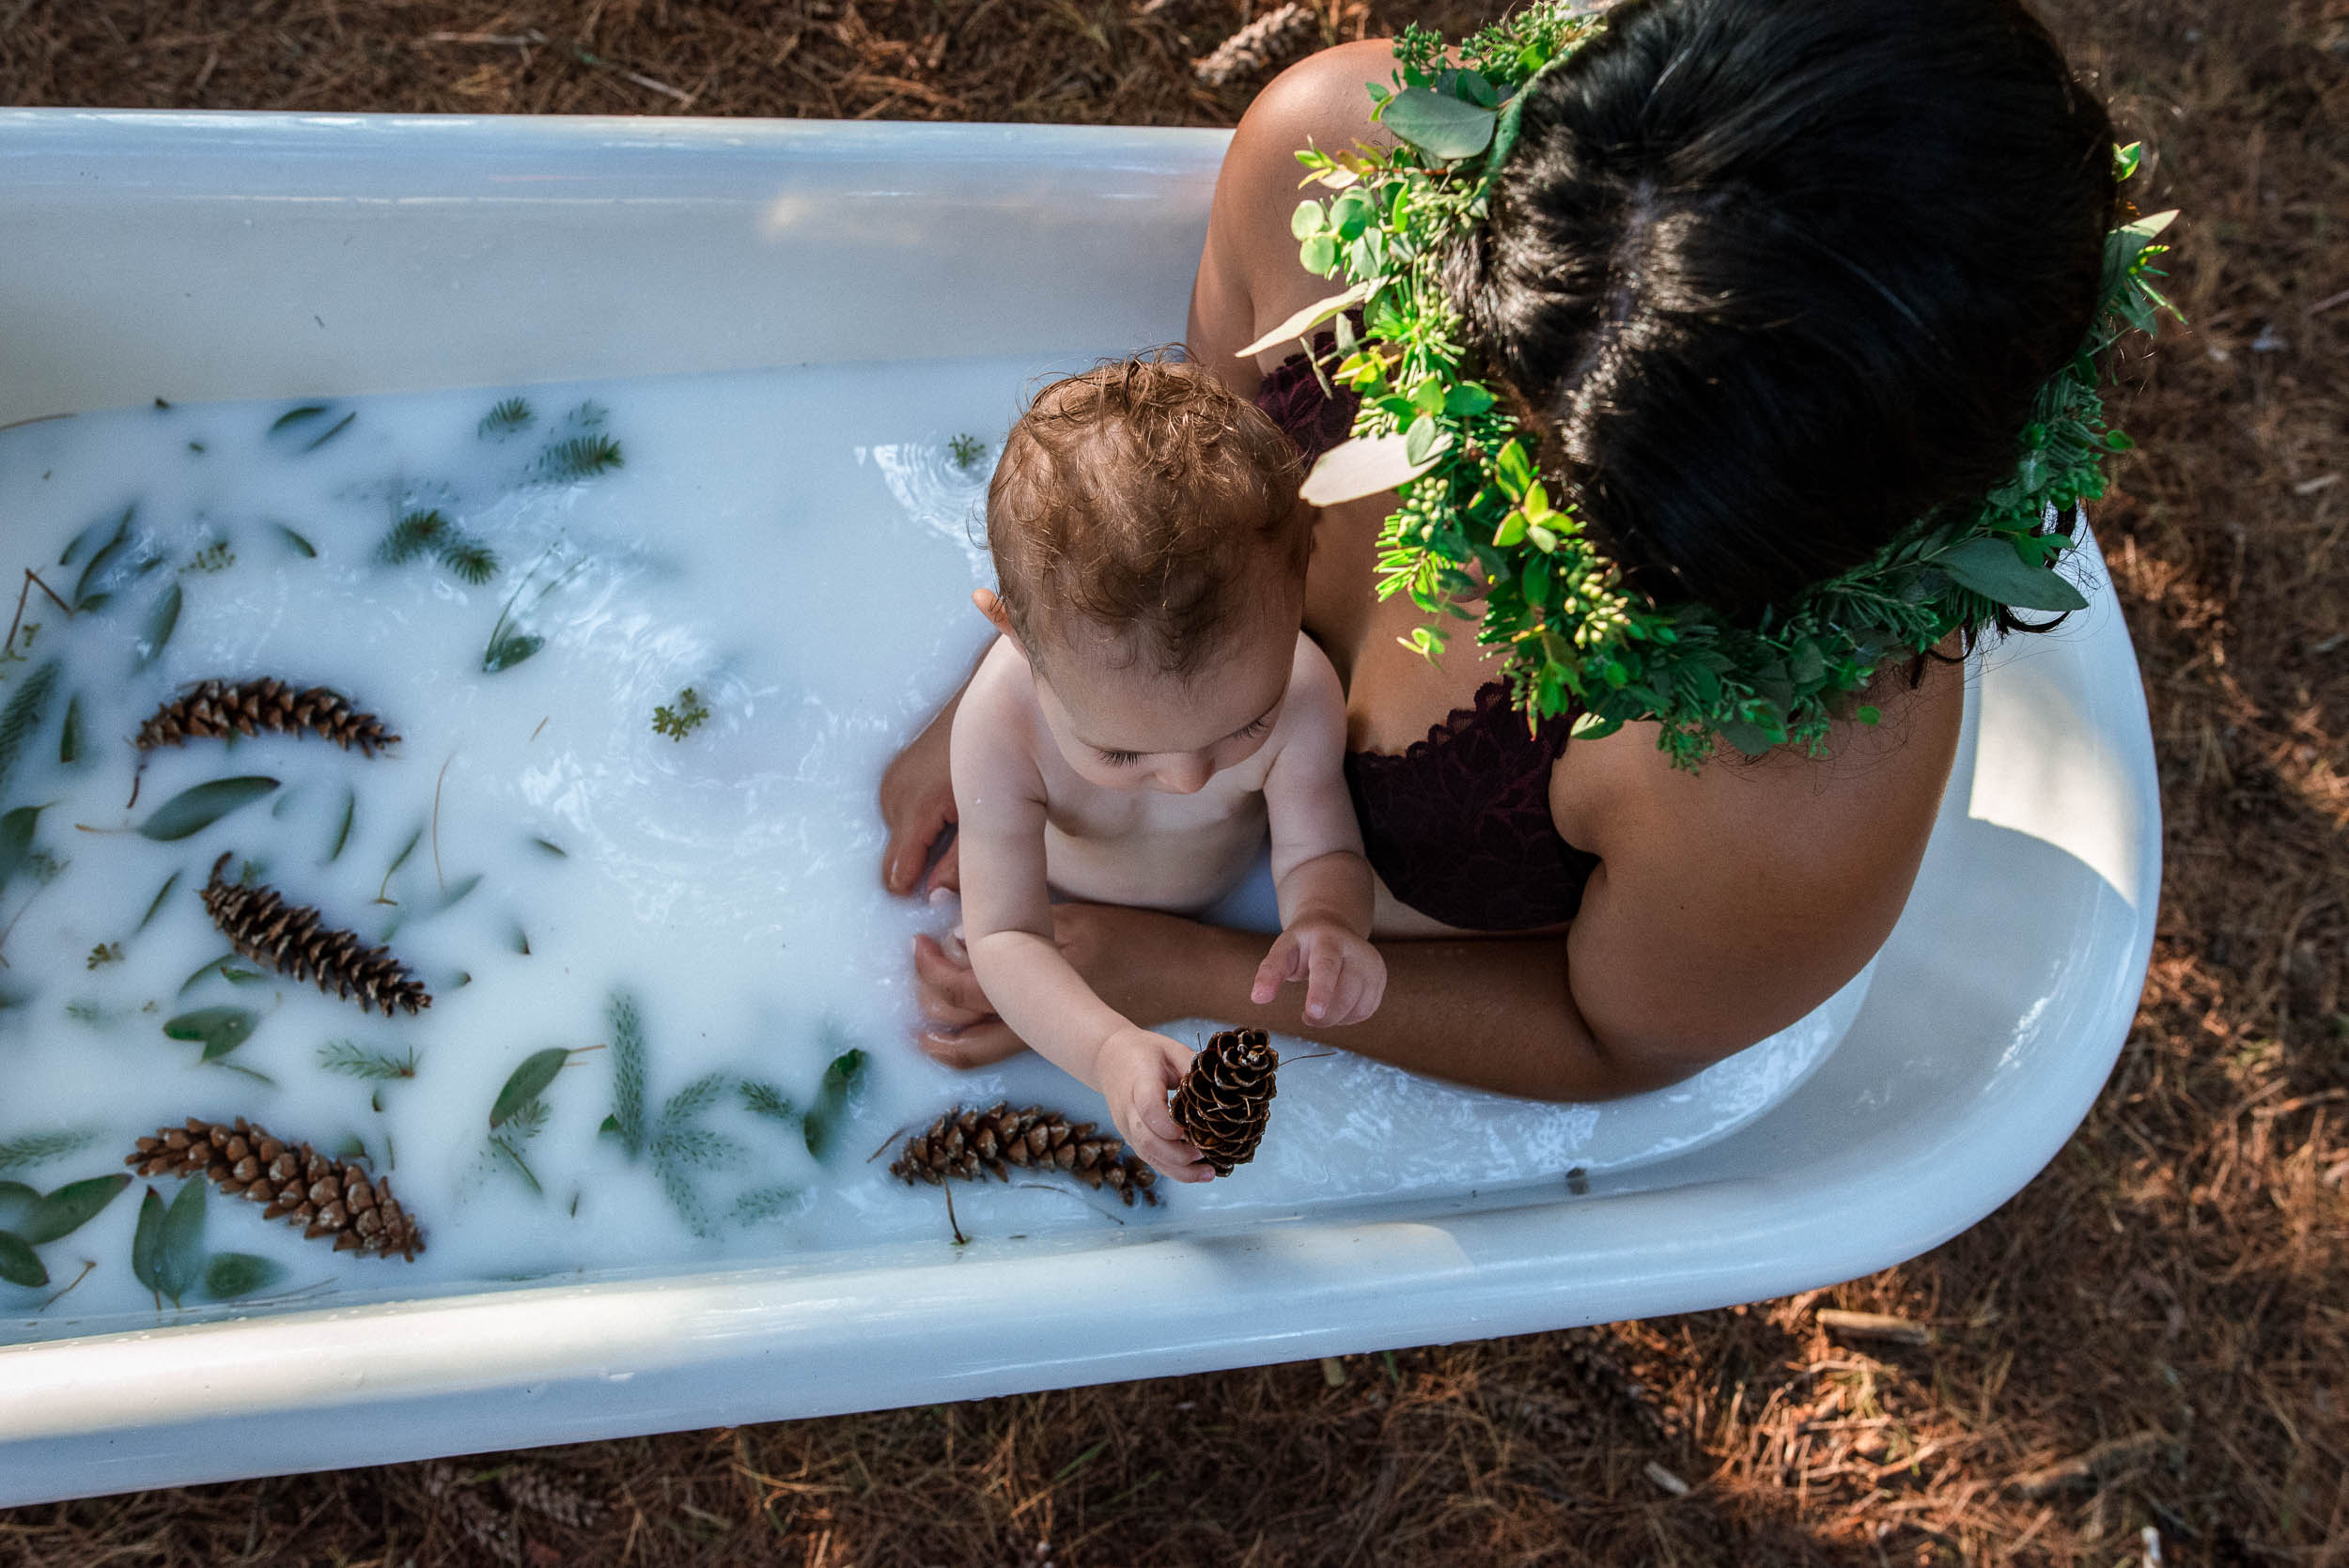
point(1777, 278)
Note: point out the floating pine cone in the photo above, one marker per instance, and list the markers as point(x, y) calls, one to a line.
point(1226, 1096)
point(328, 1197)
point(216, 708)
point(292, 939)
point(1268, 40)
point(968, 1144)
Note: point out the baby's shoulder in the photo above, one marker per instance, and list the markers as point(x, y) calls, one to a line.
point(999, 705)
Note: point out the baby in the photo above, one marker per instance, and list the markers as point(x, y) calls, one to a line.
point(1150, 710)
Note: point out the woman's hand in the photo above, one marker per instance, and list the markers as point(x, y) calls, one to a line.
point(1102, 942)
point(917, 805)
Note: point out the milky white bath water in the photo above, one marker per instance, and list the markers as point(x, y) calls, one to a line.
point(647, 647)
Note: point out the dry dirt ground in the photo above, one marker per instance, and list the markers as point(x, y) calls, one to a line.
point(2151, 1337)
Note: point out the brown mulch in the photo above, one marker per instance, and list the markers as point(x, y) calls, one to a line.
point(2151, 1337)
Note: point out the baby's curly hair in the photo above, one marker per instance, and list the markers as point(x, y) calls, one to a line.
point(1141, 496)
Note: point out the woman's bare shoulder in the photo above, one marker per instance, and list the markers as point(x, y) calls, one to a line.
point(1249, 277)
point(1731, 901)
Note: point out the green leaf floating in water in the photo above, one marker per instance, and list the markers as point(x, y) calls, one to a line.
point(298, 427)
point(510, 650)
point(301, 546)
point(179, 1249)
point(147, 1243)
point(231, 1275)
point(191, 811)
point(160, 622)
point(528, 1083)
point(222, 1030)
point(69, 738)
point(18, 1265)
point(66, 1210)
point(822, 1122)
point(16, 839)
point(160, 893)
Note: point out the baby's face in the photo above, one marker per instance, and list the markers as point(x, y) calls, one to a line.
point(1126, 727)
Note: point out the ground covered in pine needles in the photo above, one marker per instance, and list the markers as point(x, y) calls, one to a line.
point(2153, 1336)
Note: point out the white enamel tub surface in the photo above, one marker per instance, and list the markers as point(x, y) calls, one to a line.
point(237, 256)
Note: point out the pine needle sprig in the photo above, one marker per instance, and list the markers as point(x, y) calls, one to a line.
point(628, 1073)
point(469, 560)
point(580, 457)
point(352, 1060)
point(412, 536)
point(510, 417)
point(761, 1098)
point(32, 1148)
point(21, 720)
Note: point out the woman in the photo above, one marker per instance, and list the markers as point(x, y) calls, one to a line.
point(1766, 283)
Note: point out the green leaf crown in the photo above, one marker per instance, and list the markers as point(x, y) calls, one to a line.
point(1477, 520)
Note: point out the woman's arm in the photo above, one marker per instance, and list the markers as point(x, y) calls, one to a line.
point(1727, 904)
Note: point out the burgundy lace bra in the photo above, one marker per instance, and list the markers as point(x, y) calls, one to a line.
point(1458, 826)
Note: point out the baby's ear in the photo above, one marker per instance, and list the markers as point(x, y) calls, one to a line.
point(992, 606)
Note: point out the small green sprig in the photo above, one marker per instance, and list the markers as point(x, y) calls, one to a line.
point(1477, 520)
point(677, 723)
point(966, 450)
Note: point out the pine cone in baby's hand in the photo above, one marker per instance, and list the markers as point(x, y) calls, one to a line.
point(1226, 1097)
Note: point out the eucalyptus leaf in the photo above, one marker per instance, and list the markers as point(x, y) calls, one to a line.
point(231, 1275)
point(147, 1243)
point(191, 811)
point(72, 1205)
point(1305, 320)
point(337, 428)
point(301, 546)
point(16, 839)
point(1367, 465)
point(292, 419)
point(69, 738)
point(222, 1030)
point(1438, 123)
point(160, 622)
point(1991, 568)
point(18, 1265)
point(527, 1083)
point(99, 564)
point(821, 1125)
point(342, 831)
point(510, 650)
point(179, 1251)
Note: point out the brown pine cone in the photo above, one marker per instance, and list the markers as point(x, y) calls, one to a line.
point(966, 1145)
point(293, 939)
point(216, 708)
point(1272, 39)
point(337, 1198)
point(1227, 1095)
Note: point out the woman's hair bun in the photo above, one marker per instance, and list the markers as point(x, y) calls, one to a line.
point(1773, 280)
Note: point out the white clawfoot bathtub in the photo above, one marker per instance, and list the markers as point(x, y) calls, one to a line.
point(238, 257)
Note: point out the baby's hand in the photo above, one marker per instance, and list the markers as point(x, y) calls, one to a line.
point(1136, 1069)
point(1343, 975)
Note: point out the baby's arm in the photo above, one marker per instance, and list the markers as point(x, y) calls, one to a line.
point(1007, 926)
point(1323, 881)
